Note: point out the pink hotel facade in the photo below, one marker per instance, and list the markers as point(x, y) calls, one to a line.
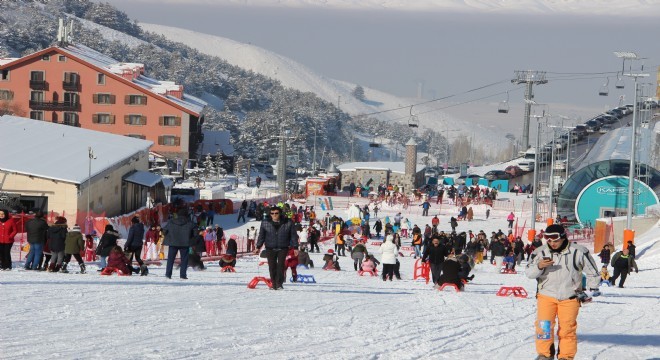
point(77, 86)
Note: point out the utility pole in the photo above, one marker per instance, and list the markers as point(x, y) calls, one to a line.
point(90, 153)
point(633, 139)
point(281, 160)
point(536, 173)
point(530, 78)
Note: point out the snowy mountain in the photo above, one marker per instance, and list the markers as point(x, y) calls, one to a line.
point(297, 76)
point(568, 7)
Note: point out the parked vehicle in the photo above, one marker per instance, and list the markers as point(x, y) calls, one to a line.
point(513, 170)
point(526, 165)
point(462, 179)
point(497, 175)
point(605, 128)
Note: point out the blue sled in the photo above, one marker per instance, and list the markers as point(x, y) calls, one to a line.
point(605, 282)
point(304, 279)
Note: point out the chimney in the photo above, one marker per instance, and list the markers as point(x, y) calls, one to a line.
point(411, 163)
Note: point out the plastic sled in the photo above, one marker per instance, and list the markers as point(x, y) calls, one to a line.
point(372, 273)
point(508, 271)
point(253, 283)
point(517, 291)
point(304, 279)
point(421, 270)
point(228, 268)
point(605, 282)
point(449, 285)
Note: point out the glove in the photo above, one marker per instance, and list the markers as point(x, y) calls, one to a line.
point(583, 297)
point(595, 292)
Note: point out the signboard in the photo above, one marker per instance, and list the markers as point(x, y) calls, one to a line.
point(609, 195)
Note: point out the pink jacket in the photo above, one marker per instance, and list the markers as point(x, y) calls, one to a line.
point(511, 217)
point(368, 265)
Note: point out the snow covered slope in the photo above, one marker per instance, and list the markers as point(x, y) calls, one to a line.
point(295, 75)
point(587, 7)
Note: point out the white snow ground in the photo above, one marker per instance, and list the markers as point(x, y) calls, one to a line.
point(342, 316)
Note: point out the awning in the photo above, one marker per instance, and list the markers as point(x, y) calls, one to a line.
point(144, 178)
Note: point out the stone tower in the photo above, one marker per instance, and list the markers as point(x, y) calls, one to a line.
point(411, 165)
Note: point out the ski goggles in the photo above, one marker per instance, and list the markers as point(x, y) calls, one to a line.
point(552, 237)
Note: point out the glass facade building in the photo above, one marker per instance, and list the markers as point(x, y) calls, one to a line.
point(610, 157)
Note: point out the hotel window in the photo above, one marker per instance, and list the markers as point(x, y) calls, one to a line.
point(36, 76)
point(135, 100)
point(45, 58)
point(71, 119)
point(6, 94)
point(169, 140)
point(169, 121)
point(37, 96)
point(37, 115)
point(100, 79)
point(103, 119)
point(71, 98)
point(5, 74)
point(135, 119)
point(107, 99)
point(61, 58)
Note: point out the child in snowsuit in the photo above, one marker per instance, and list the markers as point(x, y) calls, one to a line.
point(368, 264)
point(303, 258)
point(118, 262)
point(291, 262)
point(331, 260)
point(604, 274)
point(510, 261)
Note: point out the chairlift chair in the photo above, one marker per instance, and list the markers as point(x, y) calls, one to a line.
point(413, 121)
point(619, 82)
point(504, 105)
point(604, 90)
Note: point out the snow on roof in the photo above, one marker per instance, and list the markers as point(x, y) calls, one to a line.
point(217, 140)
point(393, 166)
point(616, 145)
point(158, 87)
point(7, 60)
point(60, 152)
point(144, 178)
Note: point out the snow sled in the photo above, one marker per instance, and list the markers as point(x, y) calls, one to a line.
point(517, 291)
point(228, 268)
point(449, 285)
point(605, 282)
point(253, 283)
point(372, 273)
point(304, 279)
point(110, 271)
point(508, 271)
point(421, 270)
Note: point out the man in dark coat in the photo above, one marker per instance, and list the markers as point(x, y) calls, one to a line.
point(179, 232)
point(435, 254)
point(450, 272)
point(56, 238)
point(278, 235)
point(37, 232)
point(134, 242)
point(623, 263)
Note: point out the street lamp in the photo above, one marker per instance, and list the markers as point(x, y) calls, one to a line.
point(91, 156)
point(633, 137)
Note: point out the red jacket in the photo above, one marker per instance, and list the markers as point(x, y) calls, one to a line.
point(118, 261)
point(291, 259)
point(7, 231)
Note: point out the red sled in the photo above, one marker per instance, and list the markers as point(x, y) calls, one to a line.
point(372, 273)
point(253, 283)
point(110, 271)
point(508, 271)
point(450, 285)
point(517, 291)
point(421, 271)
point(228, 268)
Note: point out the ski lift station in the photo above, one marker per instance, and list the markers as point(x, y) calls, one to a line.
point(599, 186)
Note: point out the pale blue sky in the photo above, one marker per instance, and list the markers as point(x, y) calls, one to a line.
point(392, 51)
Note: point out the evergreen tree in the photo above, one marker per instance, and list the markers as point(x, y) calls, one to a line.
point(358, 93)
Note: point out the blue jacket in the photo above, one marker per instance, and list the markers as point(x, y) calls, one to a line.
point(135, 236)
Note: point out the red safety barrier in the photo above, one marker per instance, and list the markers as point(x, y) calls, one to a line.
point(421, 270)
point(517, 291)
point(253, 283)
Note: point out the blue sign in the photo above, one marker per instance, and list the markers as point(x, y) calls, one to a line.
point(608, 197)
